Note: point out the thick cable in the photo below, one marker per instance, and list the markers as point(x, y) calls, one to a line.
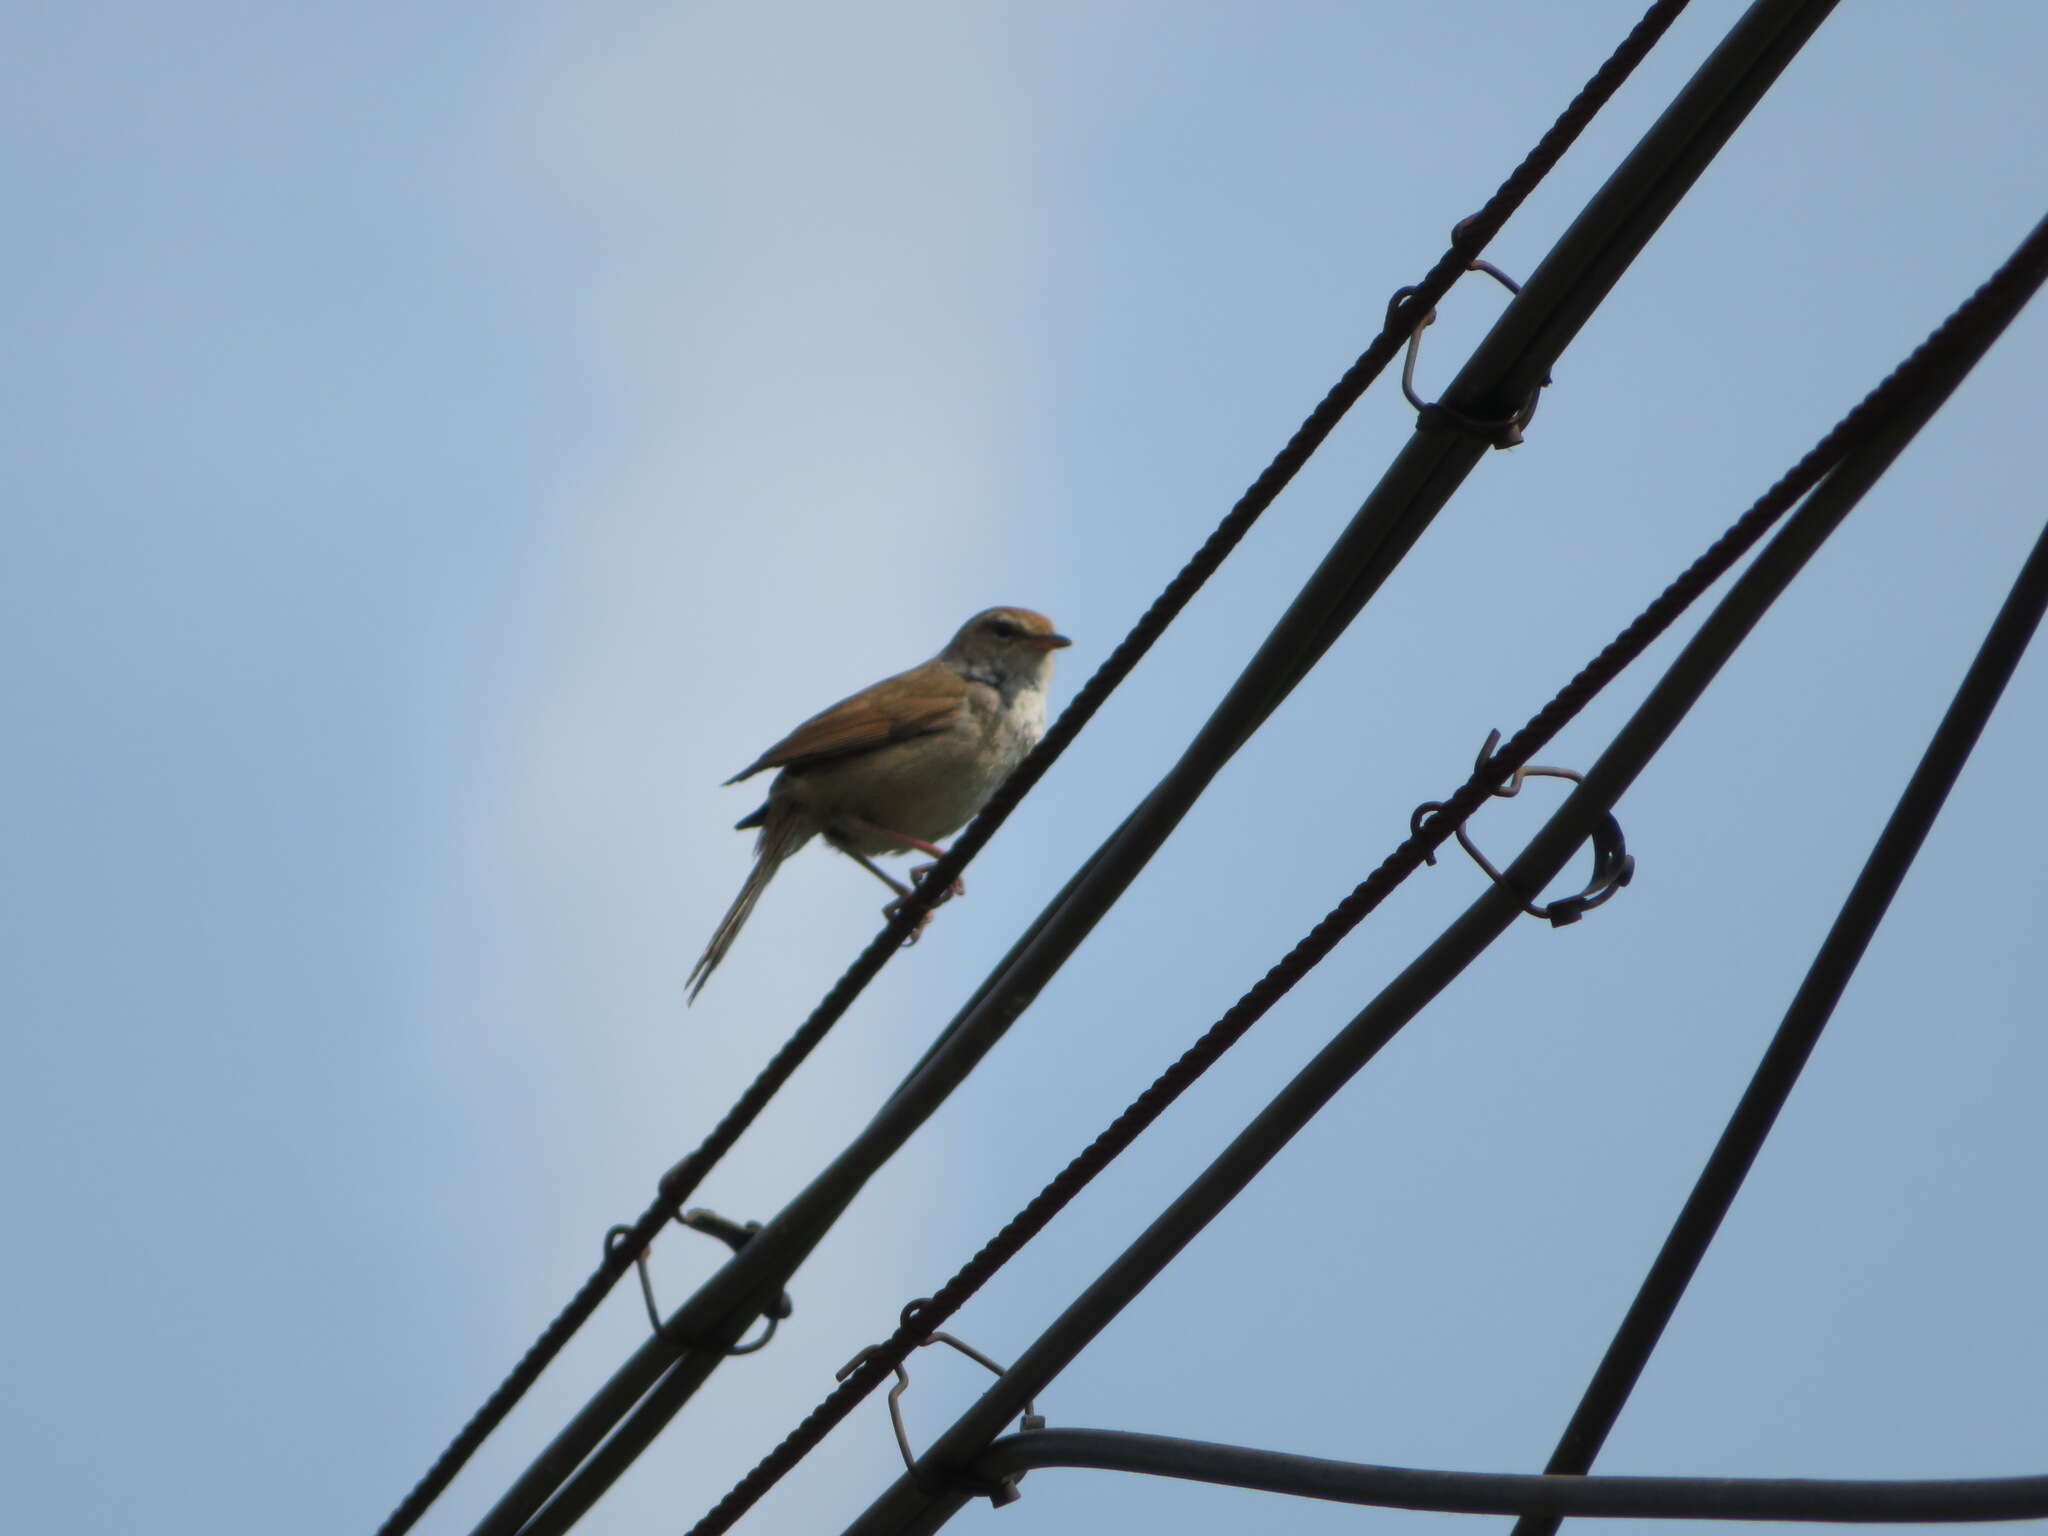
point(1849, 1501)
point(1837, 471)
point(1800, 1030)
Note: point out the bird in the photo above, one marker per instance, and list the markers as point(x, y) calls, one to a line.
point(901, 764)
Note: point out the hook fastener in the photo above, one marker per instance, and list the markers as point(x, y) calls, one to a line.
point(735, 1235)
point(1613, 865)
point(1434, 415)
point(998, 1493)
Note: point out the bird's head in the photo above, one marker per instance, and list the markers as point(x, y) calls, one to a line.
point(1008, 642)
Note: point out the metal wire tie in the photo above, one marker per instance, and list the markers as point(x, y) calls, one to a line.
point(735, 1235)
point(1000, 1492)
point(1613, 866)
point(1435, 416)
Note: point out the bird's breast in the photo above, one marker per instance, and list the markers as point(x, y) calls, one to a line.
point(927, 787)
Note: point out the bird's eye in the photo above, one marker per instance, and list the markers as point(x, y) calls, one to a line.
point(1004, 629)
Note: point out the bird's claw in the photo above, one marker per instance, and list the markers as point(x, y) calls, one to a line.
point(895, 908)
point(957, 888)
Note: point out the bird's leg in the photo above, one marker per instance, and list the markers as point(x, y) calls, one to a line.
point(872, 833)
point(889, 912)
point(905, 841)
point(902, 840)
point(879, 873)
point(957, 888)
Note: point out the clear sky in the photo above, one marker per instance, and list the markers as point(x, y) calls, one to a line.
point(444, 442)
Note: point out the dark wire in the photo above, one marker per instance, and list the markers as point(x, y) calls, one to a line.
point(589, 1453)
point(1757, 1111)
point(682, 1180)
point(1495, 1493)
point(1931, 367)
point(909, 1504)
point(629, 1410)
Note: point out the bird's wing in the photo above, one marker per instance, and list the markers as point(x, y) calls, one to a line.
point(910, 704)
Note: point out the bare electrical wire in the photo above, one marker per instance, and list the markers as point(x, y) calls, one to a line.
point(1875, 428)
point(681, 1181)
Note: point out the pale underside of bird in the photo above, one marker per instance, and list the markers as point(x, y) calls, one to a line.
point(901, 764)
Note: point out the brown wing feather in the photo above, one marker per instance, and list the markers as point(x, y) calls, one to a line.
point(860, 724)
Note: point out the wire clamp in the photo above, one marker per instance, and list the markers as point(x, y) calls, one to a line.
point(1613, 865)
point(735, 1235)
point(1435, 416)
point(998, 1493)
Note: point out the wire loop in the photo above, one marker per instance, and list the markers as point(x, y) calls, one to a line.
point(998, 1491)
point(1435, 416)
point(1613, 866)
point(735, 1235)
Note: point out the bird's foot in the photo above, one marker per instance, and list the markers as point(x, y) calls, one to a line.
point(917, 875)
point(957, 888)
point(895, 908)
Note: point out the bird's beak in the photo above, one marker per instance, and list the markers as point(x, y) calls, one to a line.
point(1048, 642)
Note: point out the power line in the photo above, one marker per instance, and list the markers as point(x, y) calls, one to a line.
point(1504, 372)
point(1838, 471)
point(1890, 1501)
point(682, 1180)
point(1778, 1072)
point(632, 1407)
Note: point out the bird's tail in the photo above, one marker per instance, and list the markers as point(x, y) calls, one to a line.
point(782, 833)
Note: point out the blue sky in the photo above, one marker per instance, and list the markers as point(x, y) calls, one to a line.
point(443, 444)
